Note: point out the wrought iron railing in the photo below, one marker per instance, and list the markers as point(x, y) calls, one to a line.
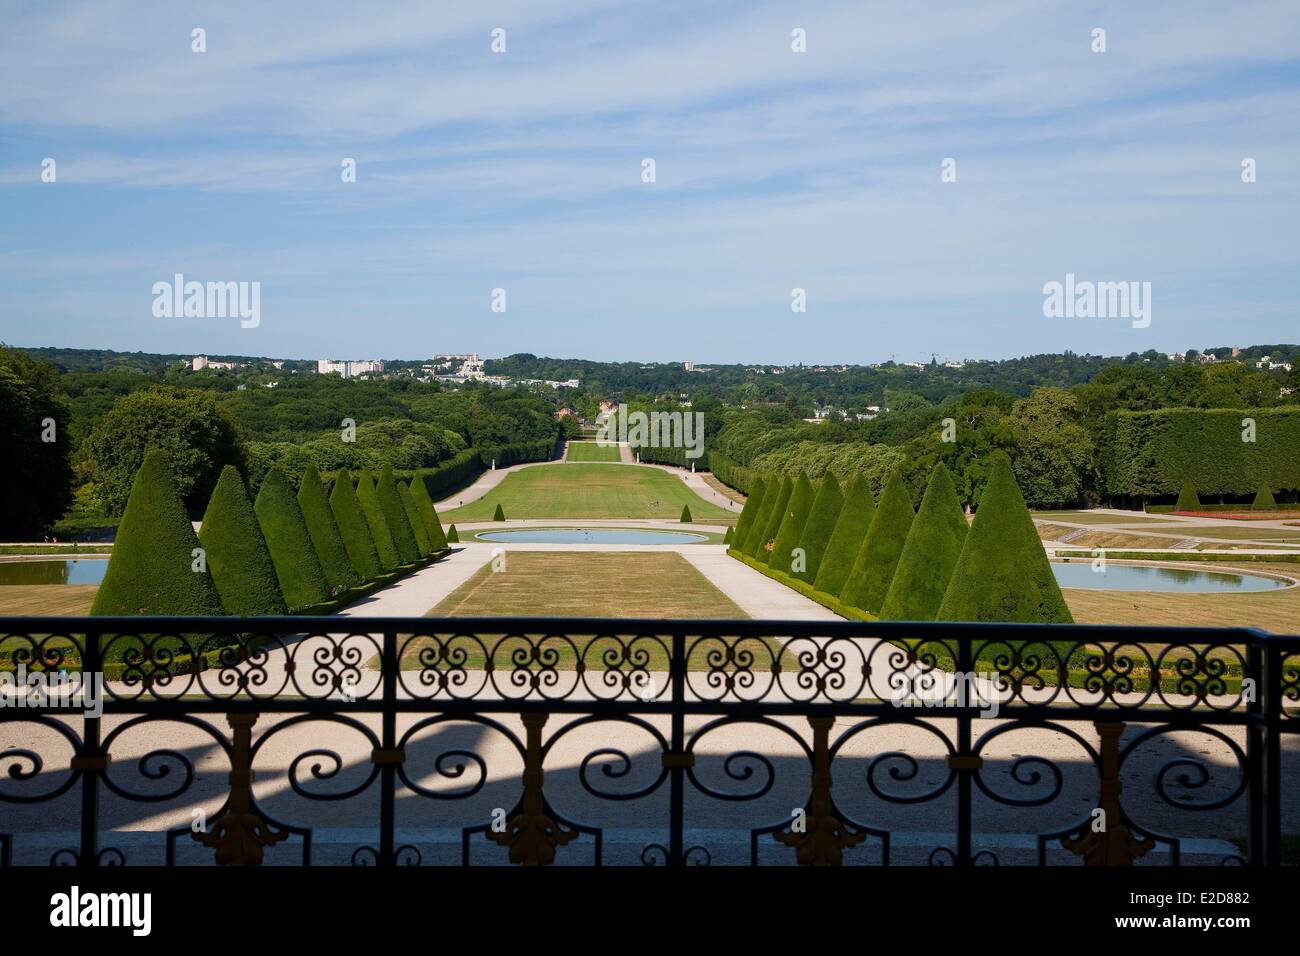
point(426, 740)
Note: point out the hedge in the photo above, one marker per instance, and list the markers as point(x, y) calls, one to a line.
point(151, 568)
point(236, 551)
point(453, 536)
point(730, 473)
point(820, 526)
point(429, 515)
point(727, 536)
point(874, 568)
point(753, 502)
point(1188, 500)
point(796, 516)
point(414, 519)
point(930, 554)
point(499, 514)
point(368, 499)
point(762, 544)
point(846, 540)
point(302, 582)
point(324, 532)
point(399, 525)
point(749, 544)
point(353, 528)
point(686, 515)
point(1003, 573)
point(1150, 454)
point(1264, 500)
point(449, 476)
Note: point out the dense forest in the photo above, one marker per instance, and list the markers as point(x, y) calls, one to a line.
point(80, 422)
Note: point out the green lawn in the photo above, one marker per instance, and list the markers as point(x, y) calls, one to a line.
point(631, 584)
point(590, 451)
point(588, 491)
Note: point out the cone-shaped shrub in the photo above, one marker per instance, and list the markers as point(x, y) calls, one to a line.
point(1003, 573)
point(414, 519)
point(750, 545)
point(375, 521)
point(453, 536)
point(726, 536)
point(1264, 500)
point(820, 525)
point(408, 549)
point(499, 514)
point(874, 568)
point(752, 504)
point(686, 515)
point(767, 535)
point(237, 555)
point(353, 528)
point(1187, 498)
point(151, 570)
point(846, 540)
point(324, 533)
point(429, 515)
point(302, 582)
point(796, 516)
point(933, 546)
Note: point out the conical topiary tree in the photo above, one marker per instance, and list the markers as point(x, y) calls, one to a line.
point(752, 504)
point(1003, 573)
point(151, 570)
point(302, 582)
point(846, 540)
point(428, 514)
point(820, 525)
point(726, 535)
point(453, 536)
point(874, 568)
point(353, 528)
point(686, 515)
point(324, 532)
point(1187, 498)
point(408, 548)
point(767, 535)
point(236, 552)
point(375, 521)
point(788, 535)
point(933, 546)
point(1264, 500)
point(413, 518)
point(499, 514)
point(750, 544)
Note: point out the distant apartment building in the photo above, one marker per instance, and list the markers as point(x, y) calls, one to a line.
point(201, 362)
point(349, 369)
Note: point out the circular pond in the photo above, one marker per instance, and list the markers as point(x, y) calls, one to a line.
point(590, 536)
point(1129, 577)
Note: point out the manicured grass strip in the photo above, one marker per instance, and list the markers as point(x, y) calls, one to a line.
point(587, 491)
point(46, 600)
point(659, 584)
point(592, 451)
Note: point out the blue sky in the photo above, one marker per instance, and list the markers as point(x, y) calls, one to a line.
point(775, 170)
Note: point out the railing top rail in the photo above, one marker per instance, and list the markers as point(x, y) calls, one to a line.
point(601, 625)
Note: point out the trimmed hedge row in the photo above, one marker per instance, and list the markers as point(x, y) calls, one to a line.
point(885, 561)
point(1151, 454)
point(731, 473)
